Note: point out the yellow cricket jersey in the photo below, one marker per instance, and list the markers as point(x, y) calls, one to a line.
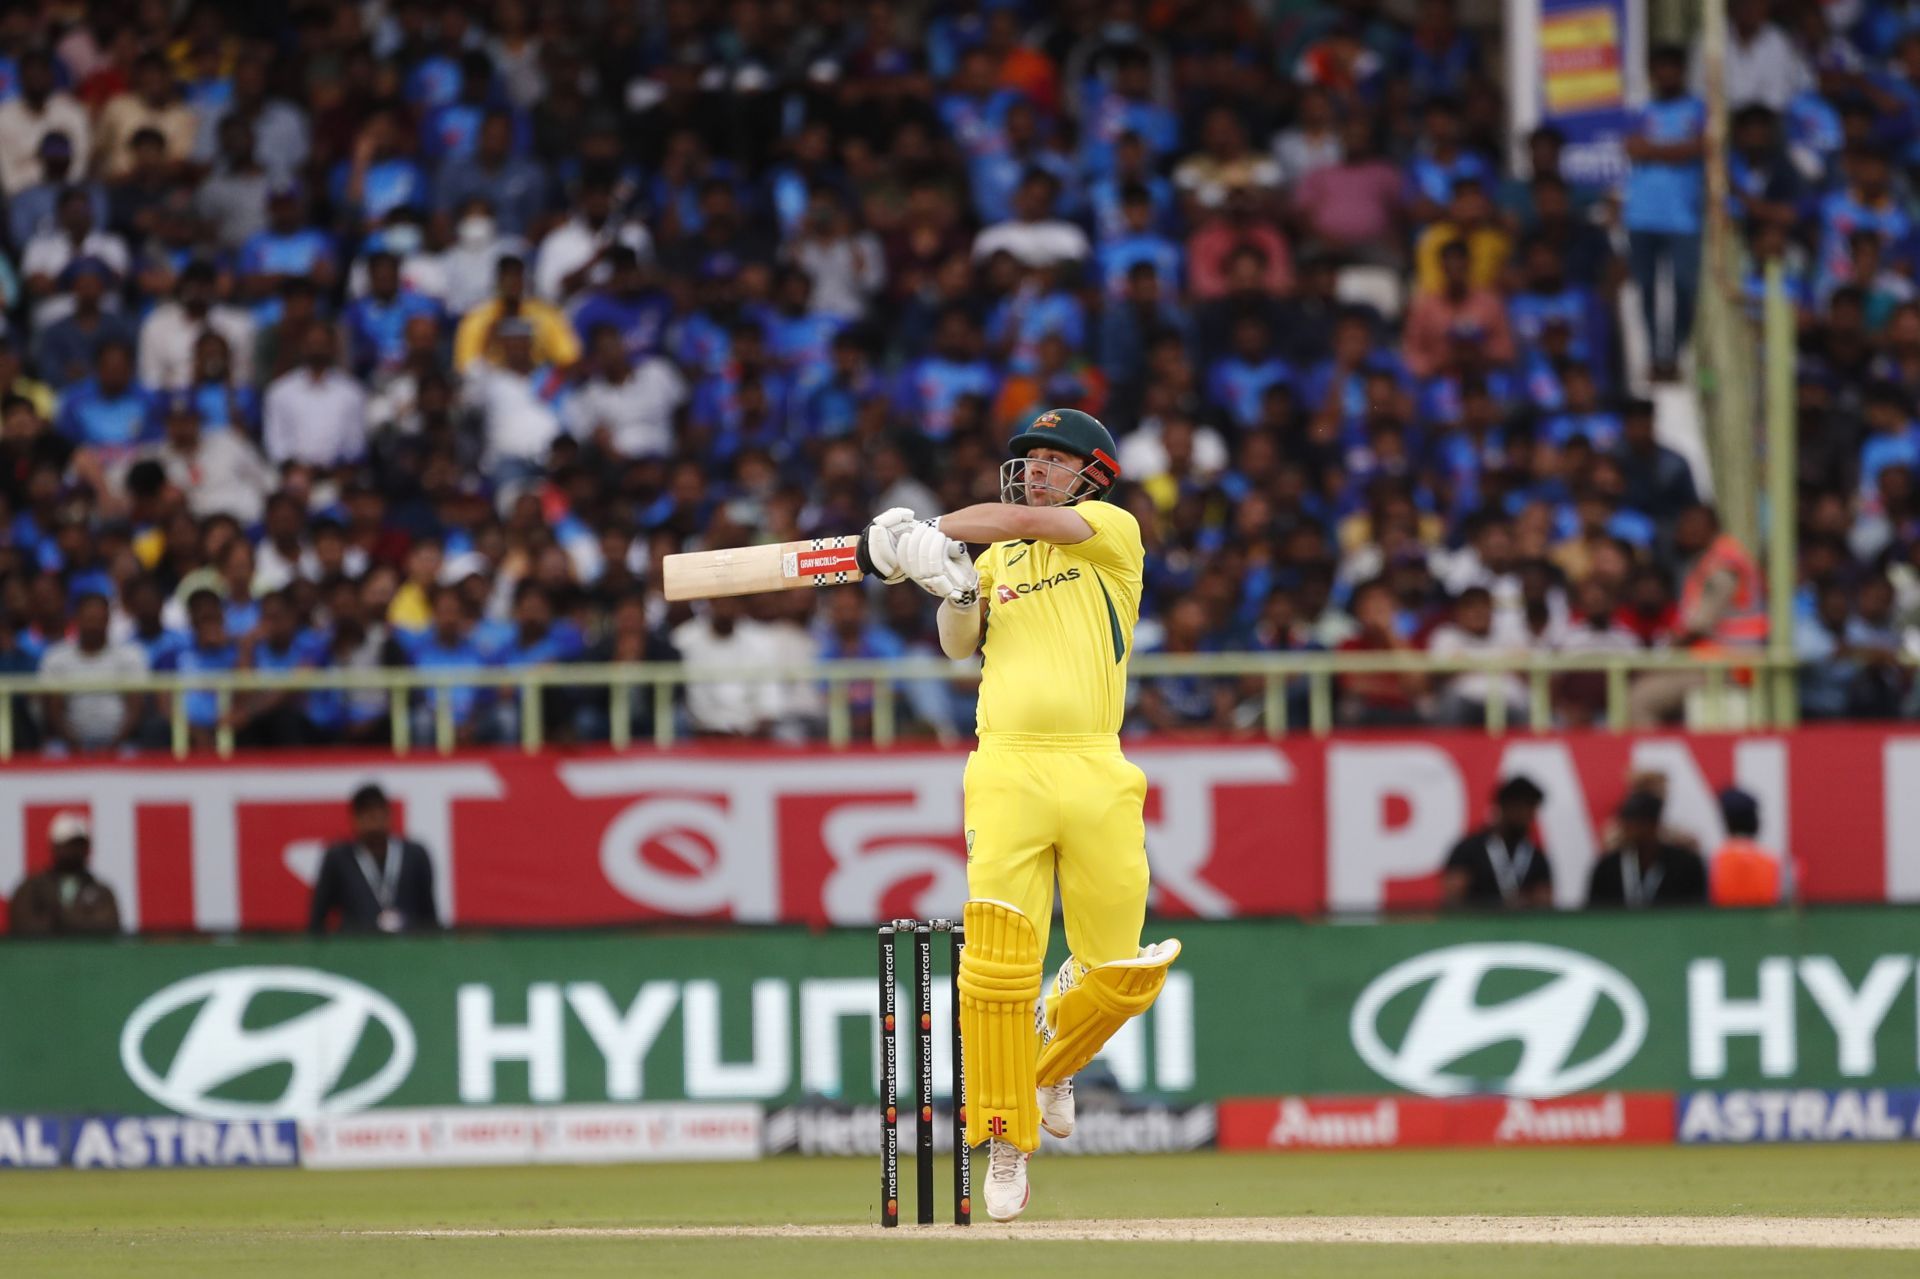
point(1060, 628)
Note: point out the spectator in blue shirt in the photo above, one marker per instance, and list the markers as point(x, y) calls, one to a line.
point(447, 644)
point(1132, 166)
point(831, 408)
point(1125, 104)
point(628, 305)
point(69, 348)
point(380, 176)
point(1580, 414)
point(377, 321)
point(109, 411)
point(145, 604)
point(277, 644)
point(538, 640)
point(1442, 160)
point(209, 650)
point(513, 186)
point(1137, 242)
point(1867, 202)
point(800, 338)
point(1238, 381)
point(287, 249)
point(931, 388)
point(1663, 204)
point(996, 174)
point(1893, 439)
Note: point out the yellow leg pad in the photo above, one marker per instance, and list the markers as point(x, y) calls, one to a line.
point(1101, 1002)
point(999, 980)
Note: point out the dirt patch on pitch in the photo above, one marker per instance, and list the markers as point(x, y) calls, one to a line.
point(1707, 1232)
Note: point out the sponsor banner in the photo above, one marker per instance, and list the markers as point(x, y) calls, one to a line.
point(1578, 67)
point(761, 835)
point(135, 1141)
point(446, 1137)
point(1101, 1127)
point(1536, 1007)
point(1745, 1115)
point(1363, 1123)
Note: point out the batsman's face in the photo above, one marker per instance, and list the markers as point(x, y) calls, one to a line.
point(1049, 477)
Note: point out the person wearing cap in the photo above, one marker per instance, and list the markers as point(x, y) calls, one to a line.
point(1742, 872)
point(65, 899)
point(1501, 865)
point(518, 403)
point(38, 111)
point(375, 882)
point(1644, 867)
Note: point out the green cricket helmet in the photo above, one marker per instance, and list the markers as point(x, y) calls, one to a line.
point(1069, 431)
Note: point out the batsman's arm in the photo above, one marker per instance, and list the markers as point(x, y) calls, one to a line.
point(960, 628)
point(988, 522)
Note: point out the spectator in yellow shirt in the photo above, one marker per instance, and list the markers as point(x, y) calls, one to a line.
point(554, 341)
point(1470, 220)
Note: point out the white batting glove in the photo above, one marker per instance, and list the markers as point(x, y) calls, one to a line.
point(883, 543)
point(963, 579)
point(925, 556)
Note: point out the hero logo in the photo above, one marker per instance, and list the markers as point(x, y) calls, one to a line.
point(222, 1042)
point(1452, 1021)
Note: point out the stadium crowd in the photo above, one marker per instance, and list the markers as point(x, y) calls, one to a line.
point(415, 333)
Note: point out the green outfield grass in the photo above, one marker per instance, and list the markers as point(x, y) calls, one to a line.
point(303, 1223)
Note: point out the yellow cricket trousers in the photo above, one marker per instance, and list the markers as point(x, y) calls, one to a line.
point(1070, 804)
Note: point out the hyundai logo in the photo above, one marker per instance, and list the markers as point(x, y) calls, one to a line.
point(1452, 1020)
point(220, 1046)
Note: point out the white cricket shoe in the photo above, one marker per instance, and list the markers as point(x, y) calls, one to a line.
point(1007, 1188)
point(1056, 1107)
point(1056, 1100)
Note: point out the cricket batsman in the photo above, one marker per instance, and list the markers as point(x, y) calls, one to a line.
point(1051, 607)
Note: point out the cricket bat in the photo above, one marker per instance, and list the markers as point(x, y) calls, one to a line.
point(749, 570)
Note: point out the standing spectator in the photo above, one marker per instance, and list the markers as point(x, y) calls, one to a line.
point(65, 899)
point(1741, 872)
point(316, 414)
point(1663, 205)
point(375, 882)
point(1644, 869)
point(26, 121)
point(846, 267)
point(1500, 865)
point(1354, 206)
point(89, 723)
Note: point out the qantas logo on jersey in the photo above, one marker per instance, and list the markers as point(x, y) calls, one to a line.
point(1007, 594)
